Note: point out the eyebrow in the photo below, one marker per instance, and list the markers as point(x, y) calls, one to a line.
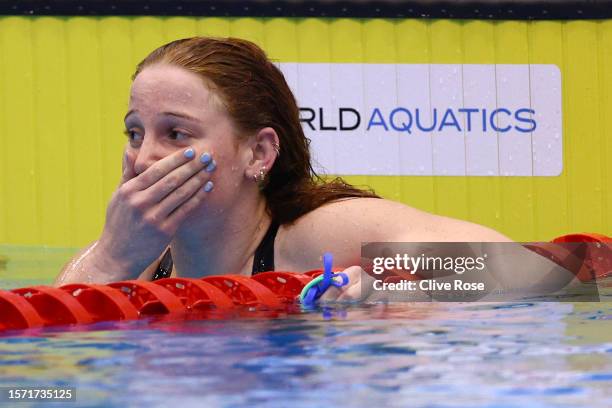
point(175, 114)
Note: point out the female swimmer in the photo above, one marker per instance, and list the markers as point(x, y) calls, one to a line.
point(217, 178)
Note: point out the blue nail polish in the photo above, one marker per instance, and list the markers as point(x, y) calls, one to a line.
point(208, 186)
point(205, 158)
point(211, 166)
point(189, 153)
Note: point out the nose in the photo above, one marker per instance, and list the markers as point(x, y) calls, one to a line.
point(149, 152)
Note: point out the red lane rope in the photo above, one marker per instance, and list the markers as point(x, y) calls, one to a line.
point(595, 251)
point(55, 306)
point(286, 285)
point(150, 298)
point(102, 302)
point(17, 313)
point(81, 303)
point(196, 294)
point(245, 291)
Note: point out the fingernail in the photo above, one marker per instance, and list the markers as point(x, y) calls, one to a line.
point(211, 166)
point(208, 186)
point(205, 158)
point(189, 153)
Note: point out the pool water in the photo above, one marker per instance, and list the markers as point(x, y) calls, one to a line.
point(396, 355)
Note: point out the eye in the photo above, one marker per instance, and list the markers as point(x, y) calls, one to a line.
point(178, 135)
point(133, 136)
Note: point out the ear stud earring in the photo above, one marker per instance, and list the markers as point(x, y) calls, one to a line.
point(259, 177)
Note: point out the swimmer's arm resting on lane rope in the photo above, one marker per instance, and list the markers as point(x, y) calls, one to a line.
point(84, 267)
point(341, 227)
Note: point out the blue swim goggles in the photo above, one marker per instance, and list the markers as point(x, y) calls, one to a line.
point(317, 287)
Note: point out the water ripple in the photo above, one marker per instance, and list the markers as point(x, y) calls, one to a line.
point(477, 355)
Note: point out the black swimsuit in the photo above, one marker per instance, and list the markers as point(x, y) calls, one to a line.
point(263, 260)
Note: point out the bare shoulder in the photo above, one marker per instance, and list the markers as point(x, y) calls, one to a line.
point(343, 225)
point(385, 220)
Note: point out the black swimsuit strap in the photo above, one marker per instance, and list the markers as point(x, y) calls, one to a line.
point(165, 266)
point(263, 260)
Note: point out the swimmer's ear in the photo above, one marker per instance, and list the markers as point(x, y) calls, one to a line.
point(264, 149)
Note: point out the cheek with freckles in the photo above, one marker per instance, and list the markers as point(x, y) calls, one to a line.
point(227, 180)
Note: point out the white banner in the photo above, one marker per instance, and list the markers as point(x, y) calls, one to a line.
point(431, 119)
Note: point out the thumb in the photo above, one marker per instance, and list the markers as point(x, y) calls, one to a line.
point(127, 168)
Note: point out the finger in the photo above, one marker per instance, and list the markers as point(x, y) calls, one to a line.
point(161, 168)
point(170, 184)
point(331, 294)
point(127, 168)
point(176, 217)
point(183, 193)
point(350, 291)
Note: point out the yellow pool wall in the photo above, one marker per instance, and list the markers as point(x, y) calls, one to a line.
point(65, 81)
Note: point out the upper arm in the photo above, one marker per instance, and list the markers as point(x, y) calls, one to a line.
point(68, 270)
point(341, 227)
point(87, 266)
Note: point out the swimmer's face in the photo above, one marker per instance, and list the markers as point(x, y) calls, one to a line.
point(170, 109)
